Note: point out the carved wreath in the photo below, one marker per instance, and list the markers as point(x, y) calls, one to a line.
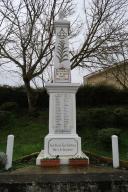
point(62, 54)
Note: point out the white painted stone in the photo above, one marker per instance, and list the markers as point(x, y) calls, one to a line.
point(62, 14)
point(62, 71)
point(62, 108)
point(61, 58)
point(9, 151)
point(115, 151)
point(62, 145)
point(62, 139)
point(40, 156)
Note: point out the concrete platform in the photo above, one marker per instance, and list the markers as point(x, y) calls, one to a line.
point(64, 179)
point(62, 170)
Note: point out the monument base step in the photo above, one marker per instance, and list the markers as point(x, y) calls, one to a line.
point(64, 160)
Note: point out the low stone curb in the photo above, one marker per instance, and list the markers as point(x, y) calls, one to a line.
point(8, 178)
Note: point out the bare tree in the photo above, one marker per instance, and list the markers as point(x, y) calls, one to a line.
point(119, 69)
point(120, 73)
point(104, 27)
point(27, 37)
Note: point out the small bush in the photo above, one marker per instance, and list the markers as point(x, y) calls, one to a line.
point(4, 118)
point(43, 99)
point(103, 117)
point(121, 116)
point(9, 106)
point(13, 94)
point(99, 95)
point(3, 159)
point(95, 117)
point(104, 135)
point(100, 117)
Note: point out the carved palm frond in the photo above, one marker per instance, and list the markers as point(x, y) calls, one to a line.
point(62, 52)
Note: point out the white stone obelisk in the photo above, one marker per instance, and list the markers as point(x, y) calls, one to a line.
point(62, 139)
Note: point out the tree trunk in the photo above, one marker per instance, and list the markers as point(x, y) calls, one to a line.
point(31, 96)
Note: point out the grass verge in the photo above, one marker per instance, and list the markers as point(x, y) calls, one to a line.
point(30, 131)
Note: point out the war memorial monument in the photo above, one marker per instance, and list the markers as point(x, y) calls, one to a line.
point(62, 139)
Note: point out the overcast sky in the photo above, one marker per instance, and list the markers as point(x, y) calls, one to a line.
point(7, 78)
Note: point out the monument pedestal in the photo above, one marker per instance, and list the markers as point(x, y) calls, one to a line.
point(64, 146)
point(62, 139)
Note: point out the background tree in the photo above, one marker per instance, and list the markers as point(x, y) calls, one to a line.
point(119, 59)
point(105, 26)
point(27, 39)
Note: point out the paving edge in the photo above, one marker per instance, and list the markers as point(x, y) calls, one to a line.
point(62, 178)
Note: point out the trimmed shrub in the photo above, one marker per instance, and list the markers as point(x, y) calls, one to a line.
point(121, 116)
point(100, 118)
point(19, 96)
point(87, 96)
point(104, 135)
point(9, 106)
point(3, 159)
point(13, 94)
point(4, 118)
point(43, 99)
point(95, 117)
point(101, 95)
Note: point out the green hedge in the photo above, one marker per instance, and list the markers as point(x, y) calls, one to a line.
point(90, 96)
point(9, 106)
point(43, 99)
point(18, 95)
point(13, 94)
point(87, 96)
point(102, 117)
point(5, 118)
point(104, 136)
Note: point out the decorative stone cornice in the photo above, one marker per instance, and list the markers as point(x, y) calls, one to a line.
point(63, 24)
point(62, 87)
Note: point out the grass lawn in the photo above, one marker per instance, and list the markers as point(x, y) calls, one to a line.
point(29, 135)
point(91, 144)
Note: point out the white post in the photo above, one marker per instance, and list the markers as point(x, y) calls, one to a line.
point(115, 151)
point(9, 151)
